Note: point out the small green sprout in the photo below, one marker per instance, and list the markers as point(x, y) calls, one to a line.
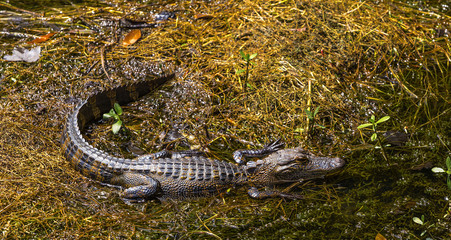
point(418, 220)
point(311, 116)
point(373, 123)
point(448, 172)
point(374, 137)
point(247, 58)
point(115, 112)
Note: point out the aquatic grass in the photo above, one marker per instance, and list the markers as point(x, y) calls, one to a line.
point(353, 59)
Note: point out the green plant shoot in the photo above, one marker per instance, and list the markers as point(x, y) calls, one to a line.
point(115, 112)
point(373, 124)
point(374, 137)
point(311, 116)
point(247, 58)
point(419, 220)
point(448, 172)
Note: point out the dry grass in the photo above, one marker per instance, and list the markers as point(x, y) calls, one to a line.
point(351, 58)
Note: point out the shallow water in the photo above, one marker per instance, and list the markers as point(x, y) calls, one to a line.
point(378, 191)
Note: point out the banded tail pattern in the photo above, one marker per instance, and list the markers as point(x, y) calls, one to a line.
point(88, 160)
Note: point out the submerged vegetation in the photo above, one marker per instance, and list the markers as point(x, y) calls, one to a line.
point(353, 59)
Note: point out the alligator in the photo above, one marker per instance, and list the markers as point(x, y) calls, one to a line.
point(186, 174)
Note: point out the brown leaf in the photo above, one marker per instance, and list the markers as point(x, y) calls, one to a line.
point(423, 166)
point(41, 38)
point(131, 37)
point(380, 237)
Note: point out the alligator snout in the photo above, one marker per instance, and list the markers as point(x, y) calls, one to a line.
point(336, 163)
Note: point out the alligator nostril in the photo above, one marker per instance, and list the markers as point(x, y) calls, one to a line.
point(338, 162)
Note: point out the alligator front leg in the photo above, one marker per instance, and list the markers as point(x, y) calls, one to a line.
point(269, 148)
point(138, 186)
point(256, 194)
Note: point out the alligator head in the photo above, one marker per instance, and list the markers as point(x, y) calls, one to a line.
point(290, 165)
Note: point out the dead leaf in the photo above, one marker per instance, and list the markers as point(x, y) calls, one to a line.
point(131, 37)
point(424, 166)
point(380, 237)
point(41, 38)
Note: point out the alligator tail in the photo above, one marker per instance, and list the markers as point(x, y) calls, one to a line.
point(90, 161)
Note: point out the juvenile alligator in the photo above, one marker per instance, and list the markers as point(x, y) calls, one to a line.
point(181, 175)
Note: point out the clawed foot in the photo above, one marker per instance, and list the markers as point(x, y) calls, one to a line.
point(256, 194)
point(274, 146)
point(269, 148)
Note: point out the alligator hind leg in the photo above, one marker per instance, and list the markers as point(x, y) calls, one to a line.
point(269, 148)
point(138, 186)
point(256, 194)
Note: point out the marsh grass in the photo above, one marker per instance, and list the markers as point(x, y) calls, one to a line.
point(354, 59)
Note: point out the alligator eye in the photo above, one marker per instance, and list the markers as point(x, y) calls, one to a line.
point(302, 161)
point(251, 166)
point(287, 169)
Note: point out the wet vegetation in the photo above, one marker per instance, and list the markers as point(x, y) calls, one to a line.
point(352, 59)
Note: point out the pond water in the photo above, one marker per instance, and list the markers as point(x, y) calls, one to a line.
point(351, 59)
